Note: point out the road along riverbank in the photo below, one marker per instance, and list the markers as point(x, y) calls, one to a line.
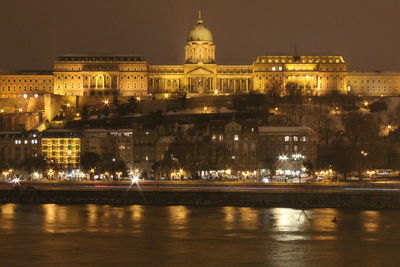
point(306, 196)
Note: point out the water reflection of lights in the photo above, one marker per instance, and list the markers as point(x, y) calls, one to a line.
point(178, 217)
point(249, 218)
point(56, 218)
point(229, 217)
point(321, 223)
point(7, 216)
point(289, 220)
point(137, 212)
point(92, 211)
point(370, 220)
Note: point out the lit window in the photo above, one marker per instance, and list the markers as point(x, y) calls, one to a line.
point(304, 139)
point(287, 138)
point(273, 68)
point(295, 138)
point(214, 137)
point(236, 138)
point(221, 137)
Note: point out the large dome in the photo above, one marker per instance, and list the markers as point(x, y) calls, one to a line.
point(200, 33)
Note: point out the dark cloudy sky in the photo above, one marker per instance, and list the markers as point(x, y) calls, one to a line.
point(34, 32)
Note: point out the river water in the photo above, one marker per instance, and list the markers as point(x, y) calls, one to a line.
point(105, 235)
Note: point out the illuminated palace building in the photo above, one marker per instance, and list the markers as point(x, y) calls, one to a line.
point(129, 75)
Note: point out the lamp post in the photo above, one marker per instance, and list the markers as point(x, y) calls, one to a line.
point(50, 173)
point(166, 96)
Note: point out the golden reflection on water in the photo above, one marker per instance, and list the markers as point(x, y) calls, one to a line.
point(325, 220)
point(249, 218)
point(178, 219)
point(7, 216)
point(137, 218)
point(289, 220)
point(137, 213)
point(229, 217)
point(370, 220)
point(178, 216)
point(92, 213)
point(55, 217)
point(290, 224)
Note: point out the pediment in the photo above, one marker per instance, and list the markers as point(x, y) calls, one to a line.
point(233, 124)
point(200, 71)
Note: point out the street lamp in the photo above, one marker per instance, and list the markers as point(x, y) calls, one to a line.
point(5, 173)
point(283, 158)
point(50, 173)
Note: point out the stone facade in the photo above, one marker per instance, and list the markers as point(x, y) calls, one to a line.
point(130, 75)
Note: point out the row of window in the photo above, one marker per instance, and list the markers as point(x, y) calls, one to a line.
point(4, 81)
point(25, 142)
point(294, 148)
point(60, 141)
point(295, 138)
point(60, 147)
point(373, 81)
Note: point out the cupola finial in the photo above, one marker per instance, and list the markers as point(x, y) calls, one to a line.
point(200, 20)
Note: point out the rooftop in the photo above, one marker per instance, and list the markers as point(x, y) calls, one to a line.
point(296, 59)
point(101, 57)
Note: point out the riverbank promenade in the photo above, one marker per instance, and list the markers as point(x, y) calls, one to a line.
point(202, 193)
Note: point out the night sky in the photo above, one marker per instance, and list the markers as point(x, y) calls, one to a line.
point(34, 32)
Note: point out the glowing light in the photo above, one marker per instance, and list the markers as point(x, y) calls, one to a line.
point(216, 92)
point(16, 181)
point(135, 180)
point(138, 98)
point(283, 158)
point(25, 96)
point(166, 96)
point(20, 109)
point(2, 110)
point(106, 101)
